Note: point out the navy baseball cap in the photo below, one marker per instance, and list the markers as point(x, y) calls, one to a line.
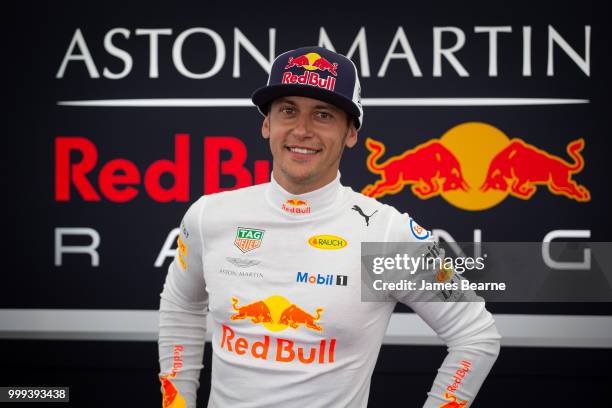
point(314, 72)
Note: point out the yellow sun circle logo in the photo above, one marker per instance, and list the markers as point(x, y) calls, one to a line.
point(276, 304)
point(312, 57)
point(474, 144)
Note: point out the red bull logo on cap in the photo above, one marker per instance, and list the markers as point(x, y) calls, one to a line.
point(276, 314)
point(475, 166)
point(311, 62)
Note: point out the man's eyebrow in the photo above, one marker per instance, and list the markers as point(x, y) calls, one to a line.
point(326, 106)
point(285, 100)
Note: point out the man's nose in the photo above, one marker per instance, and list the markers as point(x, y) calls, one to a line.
point(303, 125)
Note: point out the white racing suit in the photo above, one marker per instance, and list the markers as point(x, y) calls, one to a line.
point(279, 275)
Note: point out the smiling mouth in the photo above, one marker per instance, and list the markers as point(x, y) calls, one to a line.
point(302, 150)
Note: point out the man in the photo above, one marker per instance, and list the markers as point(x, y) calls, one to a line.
point(277, 267)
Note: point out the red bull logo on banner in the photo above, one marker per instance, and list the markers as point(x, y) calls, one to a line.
point(475, 166)
point(520, 167)
point(277, 314)
point(311, 62)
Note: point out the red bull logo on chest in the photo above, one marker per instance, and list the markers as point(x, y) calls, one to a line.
point(475, 166)
point(276, 314)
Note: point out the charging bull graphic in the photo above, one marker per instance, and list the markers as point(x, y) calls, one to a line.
point(300, 61)
point(294, 316)
point(171, 397)
point(296, 202)
point(453, 402)
point(520, 167)
point(277, 313)
point(325, 65)
point(313, 61)
point(475, 166)
point(430, 168)
point(258, 312)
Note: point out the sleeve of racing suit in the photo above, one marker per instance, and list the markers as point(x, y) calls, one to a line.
point(466, 327)
point(182, 316)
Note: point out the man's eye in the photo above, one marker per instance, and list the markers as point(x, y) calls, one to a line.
point(324, 115)
point(287, 109)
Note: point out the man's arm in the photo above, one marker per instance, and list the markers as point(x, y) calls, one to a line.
point(182, 316)
point(473, 342)
point(466, 327)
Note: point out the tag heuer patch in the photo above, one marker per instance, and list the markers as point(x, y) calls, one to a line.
point(248, 239)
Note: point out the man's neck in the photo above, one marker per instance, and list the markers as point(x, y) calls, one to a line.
point(302, 188)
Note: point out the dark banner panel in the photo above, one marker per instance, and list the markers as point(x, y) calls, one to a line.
point(485, 122)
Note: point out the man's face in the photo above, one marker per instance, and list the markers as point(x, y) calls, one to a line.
point(307, 138)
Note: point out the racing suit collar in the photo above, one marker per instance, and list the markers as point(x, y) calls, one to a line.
point(303, 205)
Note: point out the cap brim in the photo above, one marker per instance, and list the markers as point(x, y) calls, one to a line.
point(263, 96)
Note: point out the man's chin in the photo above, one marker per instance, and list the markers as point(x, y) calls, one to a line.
point(300, 176)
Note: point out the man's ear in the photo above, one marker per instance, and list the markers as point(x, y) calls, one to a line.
point(265, 127)
point(351, 138)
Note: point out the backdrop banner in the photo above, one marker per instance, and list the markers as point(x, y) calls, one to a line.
point(484, 123)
